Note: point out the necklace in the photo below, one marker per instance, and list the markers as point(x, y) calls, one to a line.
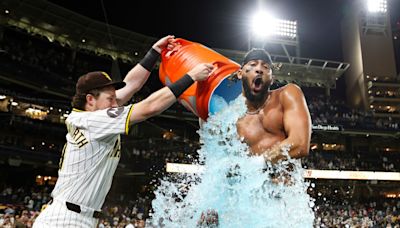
point(259, 109)
point(256, 111)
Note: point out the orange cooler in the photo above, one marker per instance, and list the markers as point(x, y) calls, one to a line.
point(205, 97)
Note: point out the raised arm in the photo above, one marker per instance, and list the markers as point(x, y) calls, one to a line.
point(160, 100)
point(139, 74)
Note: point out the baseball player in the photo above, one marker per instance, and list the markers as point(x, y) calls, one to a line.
point(93, 149)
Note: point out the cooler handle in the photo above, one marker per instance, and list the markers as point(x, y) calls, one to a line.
point(217, 64)
point(166, 54)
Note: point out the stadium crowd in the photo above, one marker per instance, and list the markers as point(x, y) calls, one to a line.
point(49, 64)
point(19, 206)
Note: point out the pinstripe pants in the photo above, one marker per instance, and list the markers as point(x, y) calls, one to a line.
point(56, 215)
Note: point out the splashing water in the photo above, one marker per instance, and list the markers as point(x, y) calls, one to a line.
point(217, 103)
point(237, 186)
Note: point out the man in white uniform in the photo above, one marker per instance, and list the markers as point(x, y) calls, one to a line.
point(92, 152)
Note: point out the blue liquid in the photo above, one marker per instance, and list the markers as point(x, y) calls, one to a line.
point(217, 103)
point(237, 186)
point(226, 92)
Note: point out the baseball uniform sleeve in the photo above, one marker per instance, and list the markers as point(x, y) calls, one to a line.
point(103, 123)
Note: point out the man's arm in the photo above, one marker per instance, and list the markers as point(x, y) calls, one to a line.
point(162, 99)
point(138, 75)
point(296, 122)
point(153, 105)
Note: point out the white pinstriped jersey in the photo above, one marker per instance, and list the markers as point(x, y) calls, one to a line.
point(91, 155)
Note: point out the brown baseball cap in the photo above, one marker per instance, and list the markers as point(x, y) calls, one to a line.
point(95, 80)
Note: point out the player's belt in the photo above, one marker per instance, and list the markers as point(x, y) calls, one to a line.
point(76, 208)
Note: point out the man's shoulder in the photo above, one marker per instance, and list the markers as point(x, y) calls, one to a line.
point(291, 86)
point(288, 92)
point(77, 112)
point(78, 115)
point(288, 89)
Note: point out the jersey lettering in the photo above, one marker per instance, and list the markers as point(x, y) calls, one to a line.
point(79, 138)
point(60, 164)
point(77, 135)
point(116, 152)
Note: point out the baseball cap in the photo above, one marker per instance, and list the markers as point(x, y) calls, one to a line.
point(95, 80)
point(257, 54)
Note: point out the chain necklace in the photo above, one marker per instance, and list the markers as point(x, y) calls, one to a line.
point(259, 109)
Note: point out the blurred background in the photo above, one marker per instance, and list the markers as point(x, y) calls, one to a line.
point(344, 54)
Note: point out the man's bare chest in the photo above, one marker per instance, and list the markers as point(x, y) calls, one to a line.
point(268, 123)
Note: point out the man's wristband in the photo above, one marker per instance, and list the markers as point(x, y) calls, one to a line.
point(181, 85)
point(150, 59)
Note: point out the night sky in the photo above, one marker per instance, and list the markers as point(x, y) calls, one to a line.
point(224, 23)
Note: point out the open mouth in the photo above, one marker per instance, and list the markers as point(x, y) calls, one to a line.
point(257, 84)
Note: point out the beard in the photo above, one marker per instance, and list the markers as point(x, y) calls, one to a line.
point(258, 97)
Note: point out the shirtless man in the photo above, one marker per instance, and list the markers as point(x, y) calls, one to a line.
point(274, 118)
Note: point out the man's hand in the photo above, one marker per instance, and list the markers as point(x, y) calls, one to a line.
point(201, 71)
point(277, 153)
point(165, 42)
point(279, 173)
point(208, 219)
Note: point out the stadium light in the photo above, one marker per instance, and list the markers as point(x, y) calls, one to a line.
point(264, 25)
point(377, 6)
